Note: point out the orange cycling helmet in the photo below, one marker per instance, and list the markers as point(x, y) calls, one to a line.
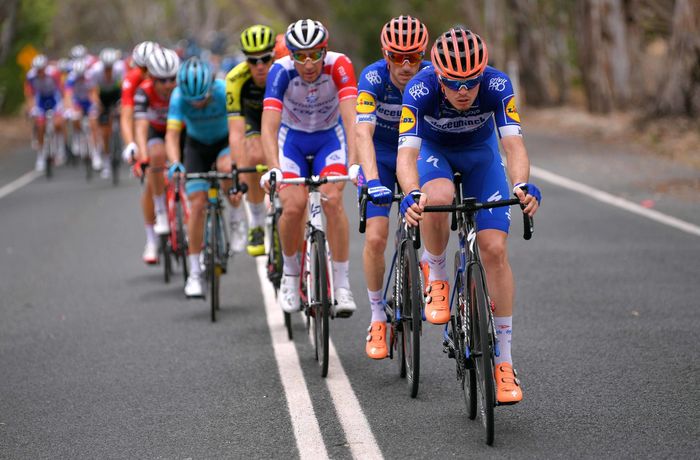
point(404, 34)
point(459, 54)
point(281, 49)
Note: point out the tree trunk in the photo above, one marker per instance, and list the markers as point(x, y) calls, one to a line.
point(8, 21)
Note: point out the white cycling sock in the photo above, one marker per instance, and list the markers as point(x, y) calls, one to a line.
point(195, 267)
point(151, 234)
point(292, 266)
point(504, 332)
point(438, 265)
point(257, 214)
point(159, 203)
point(340, 274)
point(376, 303)
point(236, 213)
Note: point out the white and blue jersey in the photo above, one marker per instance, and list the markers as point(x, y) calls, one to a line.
point(451, 140)
point(45, 89)
point(207, 124)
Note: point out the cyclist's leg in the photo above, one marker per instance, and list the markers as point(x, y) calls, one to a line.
point(237, 214)
point(253, 155)
point(60, 129)
point(156, 179)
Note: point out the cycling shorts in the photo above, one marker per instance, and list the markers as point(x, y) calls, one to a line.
point(155, 137)
point(108, 99)
point(303, 154)
point(386, 166)
point(43, 104)
point(483, 176)
point(83, 107)
point(199, 158)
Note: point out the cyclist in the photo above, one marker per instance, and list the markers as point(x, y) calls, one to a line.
point(150, 114)
point(301, 134)
point(43, 92)
point(133, 78)
point(108, 74)
point(447, 125)
point(245, 89)
point(200, 102)
point(380, 87)
point(79, 103)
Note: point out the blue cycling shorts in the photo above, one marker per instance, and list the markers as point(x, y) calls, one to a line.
point(304, 154)
point(483, 176)
point(386, 166)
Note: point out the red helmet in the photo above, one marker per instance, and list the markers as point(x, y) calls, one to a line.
point(281, 49)
point(459, 54)
point(404, 34)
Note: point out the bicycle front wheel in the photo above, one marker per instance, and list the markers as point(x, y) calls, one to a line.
point(482, 348)
point(181, 237)
point(213, 272)
point(461, 341)
point(320, 301)
point(411, 312)
point(166, 252)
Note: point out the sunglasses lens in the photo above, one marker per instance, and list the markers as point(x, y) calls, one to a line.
point(255, 60)
point(166, 80)
point(399, 59)
point(301, 57)
point(456, 85)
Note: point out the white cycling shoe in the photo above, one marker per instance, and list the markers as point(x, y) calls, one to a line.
point(40, 165)
point(288, 296)
point(193, 287)
point(150, 253)
point(162, 227)
point(96, 161)
point(239, 236)
point(344, 303)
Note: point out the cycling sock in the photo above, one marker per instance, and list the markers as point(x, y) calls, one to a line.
point(376, 303)
point(150, 234)
point(504, 332)
point(438, 267)
point(340, 274)
point(236, 213)
point(257, 214)
point(292, 267)
point(195, 267)
point(159, 203)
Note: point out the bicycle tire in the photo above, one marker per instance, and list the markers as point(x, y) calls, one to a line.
point(461, 340)
point(181, 238)
point(115, 157)
point(212, 277)
point(320, 300)
point(397, 342)
point(482, 348)
point(166, 252)
point(411, 306)
point(49, 155)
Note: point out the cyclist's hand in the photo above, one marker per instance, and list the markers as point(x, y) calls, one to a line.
point(175, 168)
point(353, 172)
point(265, 178)
point(378, 193)
point(138, 167)
point(529, 195)
point(130, 152)
point(411, 209)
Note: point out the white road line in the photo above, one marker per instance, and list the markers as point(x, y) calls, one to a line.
point(18, 183)
point(613, 200)
point(304, 422)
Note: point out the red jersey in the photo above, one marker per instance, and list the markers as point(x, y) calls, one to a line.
point(149, 105)
point(133, 78)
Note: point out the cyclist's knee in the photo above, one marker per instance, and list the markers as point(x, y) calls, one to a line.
point(440, 191)
point(198, 203)
point(494, 251)
point(375, 242)
point(157, 155)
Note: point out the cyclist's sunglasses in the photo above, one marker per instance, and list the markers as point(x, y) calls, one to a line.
point(264, 58)
point(400, 58)
point(456, 85)
point(302, 56)
point(166, 80)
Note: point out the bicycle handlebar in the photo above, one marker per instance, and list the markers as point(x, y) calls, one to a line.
point(315, 181)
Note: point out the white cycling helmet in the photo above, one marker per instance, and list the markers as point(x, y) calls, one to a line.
point(40, 61)
point(142, 51)
point(80, 66)
point(306, 34)
point(163, 63)
point(78, 52)
point(109, 56)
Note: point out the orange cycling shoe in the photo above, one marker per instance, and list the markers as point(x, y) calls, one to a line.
point(507, 384)
point(376, 340)
point(437, 308)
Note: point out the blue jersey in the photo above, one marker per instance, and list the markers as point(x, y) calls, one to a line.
point(207, 124)
point(427, 115)
point(379, 102)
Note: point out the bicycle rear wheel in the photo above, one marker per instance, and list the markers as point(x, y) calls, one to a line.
point(460, 335)
point(115, 157)
point(181, 236)
point(482, 348)
point(411, 312)
point(320, 301)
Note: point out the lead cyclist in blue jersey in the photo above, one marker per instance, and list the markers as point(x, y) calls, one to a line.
point(380, 86)
point(450, 116)
point(200, 103)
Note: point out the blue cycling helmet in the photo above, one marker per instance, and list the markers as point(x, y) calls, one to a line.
point(194, 79)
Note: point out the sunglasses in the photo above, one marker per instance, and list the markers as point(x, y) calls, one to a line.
point(456, 85)
point(400, 58)
point(315, 56)
point(255, 60)
point(166, 80)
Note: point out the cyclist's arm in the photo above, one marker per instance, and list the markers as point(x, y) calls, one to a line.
point(126, 122)
point(347, 114)
point(518, 161)
point(141, 131)
point(270, 125)
point(236, 136)
point(95, 96)
point(406, 170)
point(172, 142)
point(365, 150)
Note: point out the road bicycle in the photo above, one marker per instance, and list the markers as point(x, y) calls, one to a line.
point(405, 303)
point(470, 335)
point(50, 147)
point(216, 241)
point(316, 282)
point(82, 145)
point(174, 245)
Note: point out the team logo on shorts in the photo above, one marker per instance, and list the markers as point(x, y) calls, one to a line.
point(408, 121)
point(365, 103)
point(512, 110)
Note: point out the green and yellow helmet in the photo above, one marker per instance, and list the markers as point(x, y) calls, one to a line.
point(257, 39)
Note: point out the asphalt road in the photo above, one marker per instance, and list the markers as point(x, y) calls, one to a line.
point(100, 359)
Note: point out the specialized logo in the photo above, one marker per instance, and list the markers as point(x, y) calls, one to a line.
point(433, 160)
point(512, 111)
point(497, 84)
point(373, 77)
point(408, 121)
point(495, 197)
point(471, 239)
point(418, 90)
point(365, 103)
